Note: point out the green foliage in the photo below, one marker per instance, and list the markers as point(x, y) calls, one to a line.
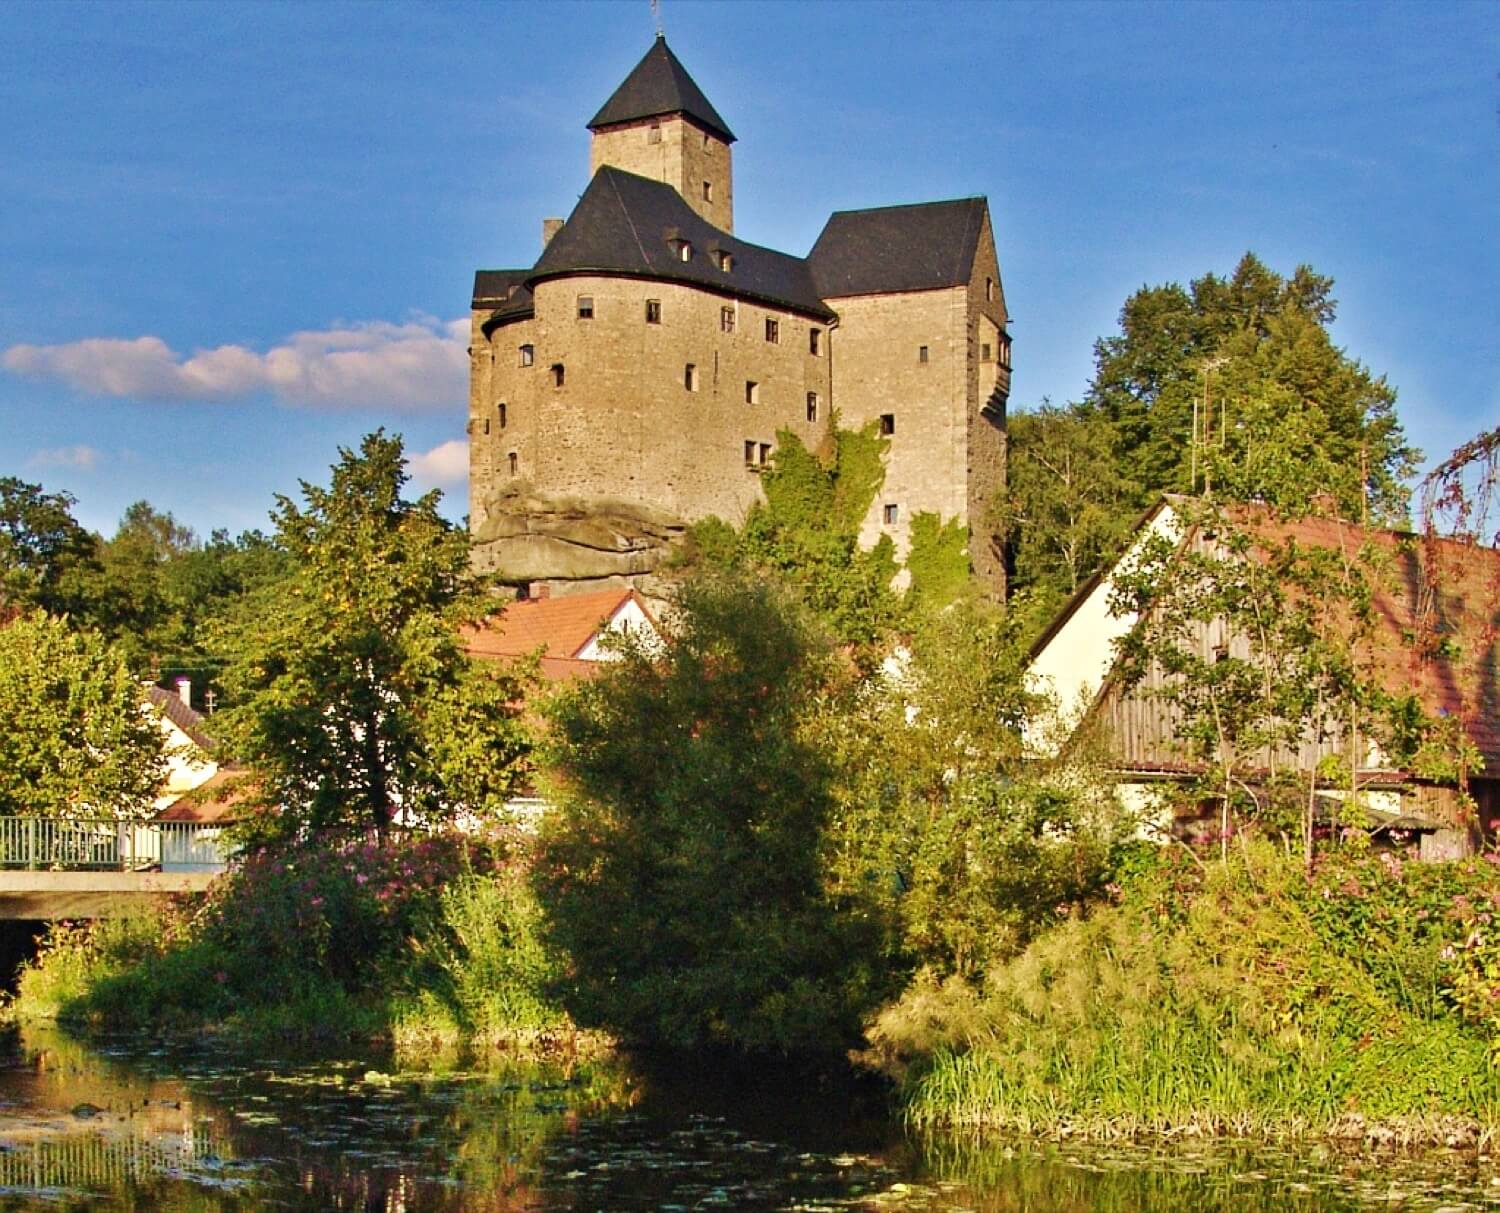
point(1230, 997)
point(75, 739)
point(965, 848)
point(681, 868)
point(351, 693)
point(47, 561)
point(938, 562)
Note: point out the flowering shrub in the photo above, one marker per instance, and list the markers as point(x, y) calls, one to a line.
point(339, 911)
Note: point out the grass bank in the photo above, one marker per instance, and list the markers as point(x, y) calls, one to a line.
point(430, 944)
point(1240, 998)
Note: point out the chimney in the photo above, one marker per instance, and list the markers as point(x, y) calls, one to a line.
point(550, 228)
point(185, 691)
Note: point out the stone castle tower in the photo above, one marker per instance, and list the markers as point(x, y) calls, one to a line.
point(635, 378)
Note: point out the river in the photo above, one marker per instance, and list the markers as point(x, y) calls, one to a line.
point(193, 1130)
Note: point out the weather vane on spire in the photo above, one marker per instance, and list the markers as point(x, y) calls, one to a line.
point(656, 16)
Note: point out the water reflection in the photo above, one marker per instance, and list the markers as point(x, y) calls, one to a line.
point(195, 1132)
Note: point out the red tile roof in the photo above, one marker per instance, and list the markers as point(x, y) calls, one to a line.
point(219, 799)
point(560, 628)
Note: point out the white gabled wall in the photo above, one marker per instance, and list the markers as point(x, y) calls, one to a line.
point(629, 619)
point(1074, 663)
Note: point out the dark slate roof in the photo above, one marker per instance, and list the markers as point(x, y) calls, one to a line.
point(497, 286)
point(624, 224)
point(898, 248)
point(170, 704)
point(660, 85)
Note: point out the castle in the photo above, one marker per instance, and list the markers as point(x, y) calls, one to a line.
point(635, 379)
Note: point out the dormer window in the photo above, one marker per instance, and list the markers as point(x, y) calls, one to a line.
point(681, 246)
point(726, 260)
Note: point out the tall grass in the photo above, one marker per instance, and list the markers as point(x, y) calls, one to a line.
point(1224, 1008)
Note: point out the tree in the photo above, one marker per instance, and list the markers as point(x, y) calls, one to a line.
point(75, 736)
point(352, 698)
point(46, 559)
point(681, 867)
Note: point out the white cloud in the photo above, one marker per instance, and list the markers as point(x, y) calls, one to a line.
point(419, 365)
point(84, 458)
point(445, 466)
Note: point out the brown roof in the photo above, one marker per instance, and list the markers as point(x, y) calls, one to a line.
point(220, 799)
point(558, 628)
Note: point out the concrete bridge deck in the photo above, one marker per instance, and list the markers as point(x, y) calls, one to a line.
point(53, 895)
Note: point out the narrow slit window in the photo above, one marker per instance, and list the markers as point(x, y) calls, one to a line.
point(887, 424)
point(773, 331)
point(812, 406)
point(708, 191)
point(726, 319)
point(690, 377)
point(750, 451)
point(752, 392)
point(585, 307)
point(653, 311)
point(559, 374)
point(892, 514)
point(503, 412)
point(528, 354)
point(815, 341)
point(684, 251)
point(486, 425)
point(989, 289)
point(515, 463)
point(921, 353)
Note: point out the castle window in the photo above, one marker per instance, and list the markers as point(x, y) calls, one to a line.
point(989, 289)
point(684, 250)
point(653, 311)
point(986, 354)
point(752, 392)
point(887, 424)
point(921, 353)
point(812, 406)
point(773, 331)
point(765, 453)
point(528, 355)
point(558, 374)
point(726, 319)
point(708, 191)
point(690, 377)
point(750, 452)
point(585, 307)
point(500, 408)
point(892, 513)
point(1005, 352)
point(515, 464)
point(653, 133)
point(486, 425)
point(814, 341)
point(726, 261)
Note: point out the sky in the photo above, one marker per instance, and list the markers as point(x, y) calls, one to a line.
point(235, 237)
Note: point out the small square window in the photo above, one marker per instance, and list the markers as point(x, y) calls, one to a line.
point(690, 377)
point(892, 513)
point(887, 424)
point(814, 341)
point(708, 191)
point(528, 355)
point(504, 413)
point(515, 463)
point(921, 353)
point(752, 392)
point(986, 353)
point(812, 406)
point(585, 307)
point(765, 453)
point(773, 331)
point(726, 319)
point(653, 311)
point(559, 374)
point(653, 133)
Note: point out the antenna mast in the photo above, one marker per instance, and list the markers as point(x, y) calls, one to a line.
point(656, 17)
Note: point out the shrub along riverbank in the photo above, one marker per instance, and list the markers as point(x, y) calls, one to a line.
point(1242, 997)
point(425, 942)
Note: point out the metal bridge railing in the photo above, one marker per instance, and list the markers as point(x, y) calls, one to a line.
point(102, 845)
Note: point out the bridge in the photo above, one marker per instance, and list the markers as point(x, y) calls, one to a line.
point(91, 868)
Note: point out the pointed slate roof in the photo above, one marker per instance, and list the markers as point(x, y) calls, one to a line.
point(625, 224)
point(898, 248)
point(660, 85)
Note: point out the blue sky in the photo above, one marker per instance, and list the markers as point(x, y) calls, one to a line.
point(235, 236)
